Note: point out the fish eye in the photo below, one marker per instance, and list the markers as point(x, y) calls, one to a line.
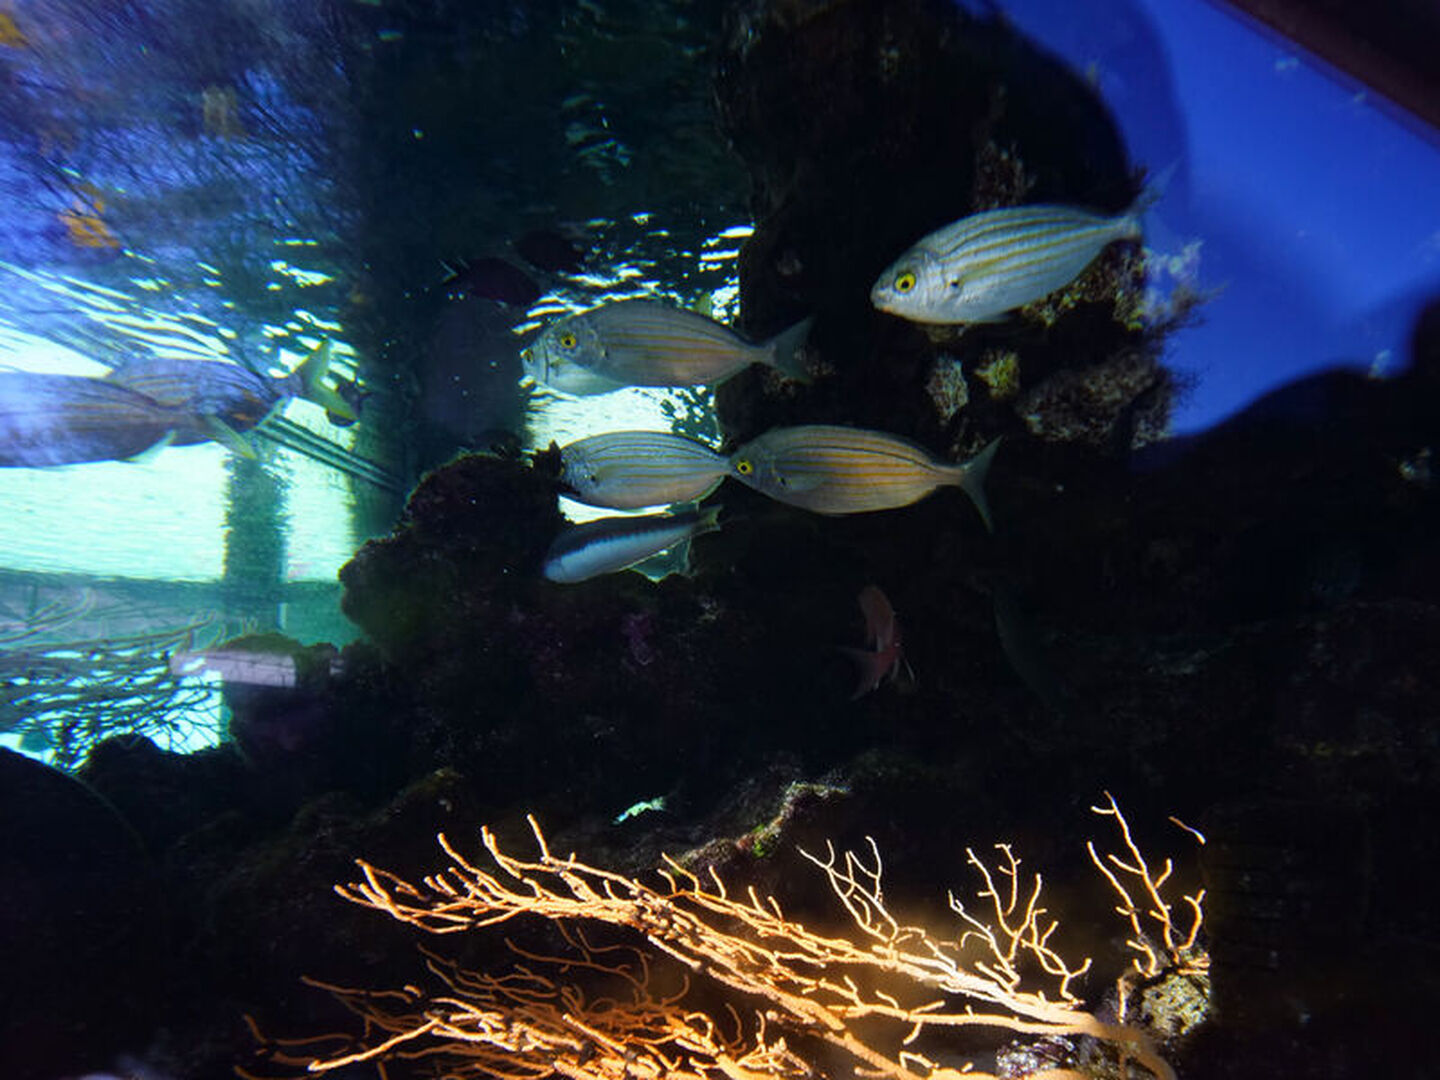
point(905, 281)
point(566, 340)
point(743, 467)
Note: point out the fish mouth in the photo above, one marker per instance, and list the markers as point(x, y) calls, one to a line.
point(530, 365)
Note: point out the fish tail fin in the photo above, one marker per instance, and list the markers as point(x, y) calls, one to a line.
point(1152, 193)
point(311, 376)
point(784, 352)
point(871, 668)
point(970, 477)
point(709, 520)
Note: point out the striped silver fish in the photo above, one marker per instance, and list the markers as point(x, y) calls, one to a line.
point(68, 419)
point(626, 470)
point(606, 545)
point(982, 266)
point(645, 343)
point(842, 470)
point(228, 399)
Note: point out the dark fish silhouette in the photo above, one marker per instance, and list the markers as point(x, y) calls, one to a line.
point(490, 278)
point(545, 249)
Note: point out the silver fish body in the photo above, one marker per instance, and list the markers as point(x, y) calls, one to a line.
point(646, 343)
point(982, 266)
point(69, 419)
point(606, 545)
point(842, 470)
point(627, 470)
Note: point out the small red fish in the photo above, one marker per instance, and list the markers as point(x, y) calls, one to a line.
point(883, 659)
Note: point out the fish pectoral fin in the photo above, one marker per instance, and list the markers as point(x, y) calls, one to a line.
point(150, 453)
point(228, 437)
point(803, 483)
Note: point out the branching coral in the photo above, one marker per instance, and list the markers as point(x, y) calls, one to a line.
point(794, 1002)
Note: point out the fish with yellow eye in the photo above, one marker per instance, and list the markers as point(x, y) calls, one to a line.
point(843, 470)
point(982, 266)
point(648, 343)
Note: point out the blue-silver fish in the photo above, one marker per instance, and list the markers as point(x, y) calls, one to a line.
point(627, 470)
point(69, 419)
point(982, 266)
point(227, 399)
point(606, 545)
point(647, 343)
point(842, 470)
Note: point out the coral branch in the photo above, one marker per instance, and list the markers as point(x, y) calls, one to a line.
point(874, 998)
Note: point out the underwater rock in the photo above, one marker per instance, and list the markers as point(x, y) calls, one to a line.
point(81, 927)
point(1122, 403)
point(478, 520)
point(1314, 925)
point(949, 393)
point(283, 710)
point(163, 795)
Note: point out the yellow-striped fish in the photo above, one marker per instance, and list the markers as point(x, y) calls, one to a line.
point(646, 343)
point(982, 266)
point(842, 470)
point(626, 470)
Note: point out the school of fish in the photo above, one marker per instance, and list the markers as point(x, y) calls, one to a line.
point(975, 270)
